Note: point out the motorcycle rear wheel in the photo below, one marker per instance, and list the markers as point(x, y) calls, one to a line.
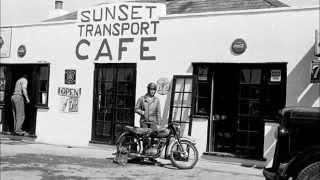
point(185, 158)
point(128, 144)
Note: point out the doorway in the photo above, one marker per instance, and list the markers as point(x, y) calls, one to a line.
point(38, 77)
point(239, 98)
point(114, 100)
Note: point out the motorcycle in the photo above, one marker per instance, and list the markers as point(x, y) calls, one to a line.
point(140, 143)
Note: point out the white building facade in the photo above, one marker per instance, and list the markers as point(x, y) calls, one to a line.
point(223, 75)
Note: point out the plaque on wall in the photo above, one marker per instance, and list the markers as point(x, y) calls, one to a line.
point(315, 71)
point(275, 75)
point(70, 76)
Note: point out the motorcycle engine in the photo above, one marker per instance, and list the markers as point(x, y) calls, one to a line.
point(152, 149)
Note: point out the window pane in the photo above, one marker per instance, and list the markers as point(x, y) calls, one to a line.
point(203, 105)
point(188, 85)
point(176, 114)
point(177, 99)
point(2, 72)
point(245, 76)
point(106, 74)
point(124, 87)
point(204, 90)
point(184, 128)
point(43, 85)
point(187, 97)
point(44, 73)
point(179, 85)
point(125, 74)
point(2, 83)
point(185, 115)
point(255, 76)
point(255, 92)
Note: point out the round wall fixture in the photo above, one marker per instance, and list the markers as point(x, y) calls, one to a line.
point(22, 50)
point(238, 46)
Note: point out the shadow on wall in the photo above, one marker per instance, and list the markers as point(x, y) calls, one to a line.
point(300, 92)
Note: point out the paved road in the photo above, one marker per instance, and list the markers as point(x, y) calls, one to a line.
point(28, 160)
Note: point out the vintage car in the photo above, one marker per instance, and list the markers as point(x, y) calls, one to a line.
point(297, 153)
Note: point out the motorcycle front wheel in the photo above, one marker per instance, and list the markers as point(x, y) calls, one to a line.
point(185, 155)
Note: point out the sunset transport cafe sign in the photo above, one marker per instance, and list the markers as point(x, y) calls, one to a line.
point(114, 32)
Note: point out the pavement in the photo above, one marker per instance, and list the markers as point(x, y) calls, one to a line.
point(22, 158)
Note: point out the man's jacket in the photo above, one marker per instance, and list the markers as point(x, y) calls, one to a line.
point(149, 109)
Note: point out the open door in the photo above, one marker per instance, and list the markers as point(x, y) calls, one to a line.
point(38, 82)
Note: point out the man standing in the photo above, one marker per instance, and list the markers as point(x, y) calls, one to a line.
point(17, 100)
point(148, 107)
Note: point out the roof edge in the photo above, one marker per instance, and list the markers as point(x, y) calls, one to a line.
point(240, 12)
point(172, 16)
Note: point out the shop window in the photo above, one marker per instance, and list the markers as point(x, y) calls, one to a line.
point(180, 107)
point(43, 86)
point(2, 84)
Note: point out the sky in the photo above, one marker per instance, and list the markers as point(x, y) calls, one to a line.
point(33, 11)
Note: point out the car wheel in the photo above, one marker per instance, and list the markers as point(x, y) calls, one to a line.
point(311, 172)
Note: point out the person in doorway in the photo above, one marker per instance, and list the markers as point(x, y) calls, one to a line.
point(18, 99)
point(148, 107)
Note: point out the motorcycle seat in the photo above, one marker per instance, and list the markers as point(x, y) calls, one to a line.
point(138, 130)
point(161, 132)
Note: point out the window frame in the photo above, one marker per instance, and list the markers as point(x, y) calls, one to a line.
point(2, 102)
point(195, 95)
point(181, 106)
point(39, 92)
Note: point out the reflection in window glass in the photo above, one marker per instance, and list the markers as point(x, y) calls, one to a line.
point(179, 85)
point(203, 105)
point(245, 76)
point(1, 72)
point(106, 74)
point(188, 85)
point(177, 99)
point(44, 73)
point(2, 84)
point(176, 114)
point(255, 76)
point(187, 100)
point(124, 74)
point(184, 128)
point(185, 115)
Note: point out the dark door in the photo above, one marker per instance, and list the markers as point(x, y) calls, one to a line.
point(243, 97)
point(12, 74)
point(250, 122)
point(114, 99)
point(262, 93)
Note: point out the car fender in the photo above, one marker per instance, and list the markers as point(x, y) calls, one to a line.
point(301, 160)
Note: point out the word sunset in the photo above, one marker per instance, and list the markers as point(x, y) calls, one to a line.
point(118, 31)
